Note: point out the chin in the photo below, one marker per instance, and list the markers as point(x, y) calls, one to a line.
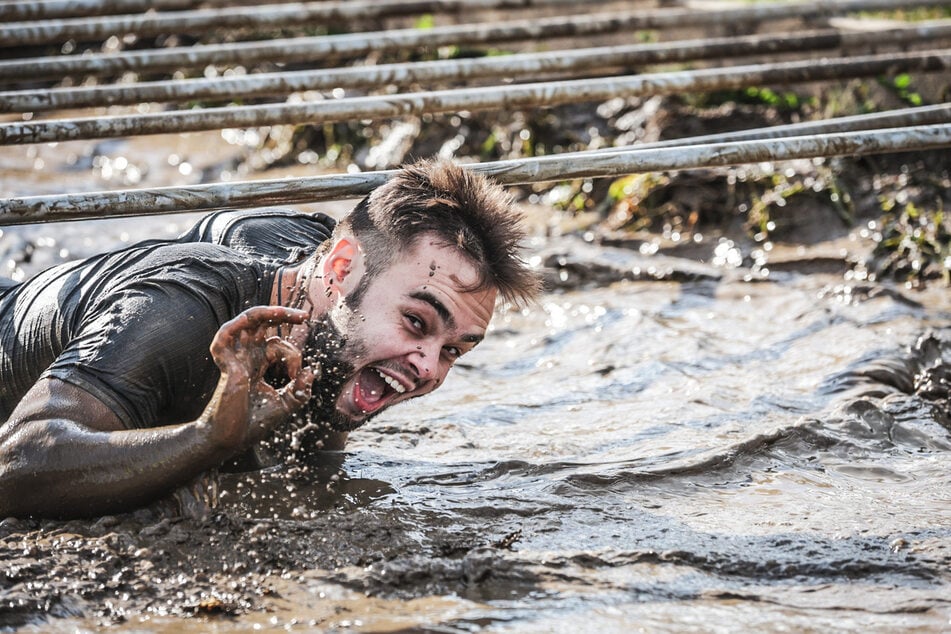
point(347, 416)
point(341, 421)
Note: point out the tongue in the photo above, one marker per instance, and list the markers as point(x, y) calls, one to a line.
point(372, 387)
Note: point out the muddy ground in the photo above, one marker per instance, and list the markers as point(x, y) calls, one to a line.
point(326, 546)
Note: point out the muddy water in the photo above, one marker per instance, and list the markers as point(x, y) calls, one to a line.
point(694, 453)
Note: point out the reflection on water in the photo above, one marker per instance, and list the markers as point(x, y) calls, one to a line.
point(696, 454)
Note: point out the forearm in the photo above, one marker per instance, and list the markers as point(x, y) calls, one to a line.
point(59, 468)
point(65, 453)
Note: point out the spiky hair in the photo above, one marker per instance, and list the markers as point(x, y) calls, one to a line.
point(462, 208)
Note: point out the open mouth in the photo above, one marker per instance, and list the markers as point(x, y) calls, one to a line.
point(374, 389)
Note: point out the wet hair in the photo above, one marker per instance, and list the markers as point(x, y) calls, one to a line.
point(462, 208)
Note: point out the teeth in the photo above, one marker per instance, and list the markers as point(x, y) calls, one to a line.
point(393, 383)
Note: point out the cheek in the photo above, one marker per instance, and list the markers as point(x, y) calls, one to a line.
point(444, 367)
point(378, 330)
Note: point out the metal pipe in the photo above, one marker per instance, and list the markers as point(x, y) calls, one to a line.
point(313, 49)
point(50, 9)
point(922, 115)
point(271, 16)
point(599, 59)
point(55, 208)
point(484, 98)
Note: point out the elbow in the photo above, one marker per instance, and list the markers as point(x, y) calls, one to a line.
point(16, 484)
point(24, 472)
point(11, 504)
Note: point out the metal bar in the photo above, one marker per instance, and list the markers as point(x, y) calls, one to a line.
point(56, 208)
point(484, 98)
point(313, 49)
point(922, 115)
point(50, 9)
point(264, 17)
point(599, 59)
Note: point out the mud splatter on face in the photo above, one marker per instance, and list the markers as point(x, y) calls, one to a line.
point(335, 354)
point(328, 349)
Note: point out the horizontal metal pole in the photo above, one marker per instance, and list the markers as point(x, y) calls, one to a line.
point(161, 200)
point(484, 98)
point(242, 17)
point(905, 117)
point(516, 66)
point(314, 49)
point(50, 9)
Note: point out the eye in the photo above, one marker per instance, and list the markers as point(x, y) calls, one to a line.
point(452, 352)
point(415, 322)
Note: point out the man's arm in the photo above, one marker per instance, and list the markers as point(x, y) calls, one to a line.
point(64, 453)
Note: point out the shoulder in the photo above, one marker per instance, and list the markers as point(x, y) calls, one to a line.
point(174, 258)
point(276, 234)
point(167, 272)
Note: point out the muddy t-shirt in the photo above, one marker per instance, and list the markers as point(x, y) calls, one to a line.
point(133, 327)
point(271, 234)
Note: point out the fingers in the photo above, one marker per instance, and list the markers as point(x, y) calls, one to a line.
point(244, 351)
point(296, 393)
point(249, 327)
point(257, 316)
point(262, 316)
point(276, 406)
point(298, 389)
point(278, 350)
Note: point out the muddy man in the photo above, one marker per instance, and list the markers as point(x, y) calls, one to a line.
point(128, 374)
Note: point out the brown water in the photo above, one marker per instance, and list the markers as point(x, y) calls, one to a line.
point(709, 454)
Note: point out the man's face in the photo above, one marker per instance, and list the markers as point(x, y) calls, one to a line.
point(413, 321)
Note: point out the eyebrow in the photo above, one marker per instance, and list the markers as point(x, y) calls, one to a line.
point(444, 314)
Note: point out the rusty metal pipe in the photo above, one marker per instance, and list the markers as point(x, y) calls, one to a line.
point(314, 49)
point(54, 208)
point(51, 9)
point(484, 98)
point(592, 60)
point(906, 117)
point(270, 16)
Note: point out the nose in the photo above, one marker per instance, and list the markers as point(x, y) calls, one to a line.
point(424, 360)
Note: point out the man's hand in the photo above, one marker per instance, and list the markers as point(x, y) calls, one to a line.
point(245, 407)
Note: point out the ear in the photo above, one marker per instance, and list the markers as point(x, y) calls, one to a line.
point(341, 262)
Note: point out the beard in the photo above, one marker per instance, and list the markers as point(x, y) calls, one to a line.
point(335, 354)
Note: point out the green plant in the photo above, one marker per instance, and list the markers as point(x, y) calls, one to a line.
point(915, 243)
point(901, 85)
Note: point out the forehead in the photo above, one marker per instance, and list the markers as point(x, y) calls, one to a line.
point(431, 265)
point(434, 258)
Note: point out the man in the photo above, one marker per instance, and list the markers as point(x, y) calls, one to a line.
point(126, 375)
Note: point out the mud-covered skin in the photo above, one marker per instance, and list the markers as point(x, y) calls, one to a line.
point(63, 453)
